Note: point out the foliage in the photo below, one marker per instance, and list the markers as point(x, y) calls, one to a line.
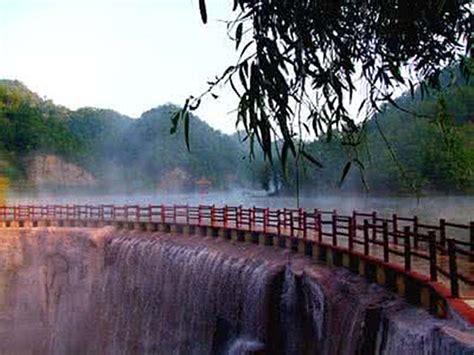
point(434, 148)
point(24, 126)
point(141, 152)
point(432, 151)
point(300, 62)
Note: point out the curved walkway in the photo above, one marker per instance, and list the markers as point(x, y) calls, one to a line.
point(431, 265)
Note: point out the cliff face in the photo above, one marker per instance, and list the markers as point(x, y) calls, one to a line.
point(52, 170)
point(102, 291)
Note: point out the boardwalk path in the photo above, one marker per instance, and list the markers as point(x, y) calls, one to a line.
point(441, 254)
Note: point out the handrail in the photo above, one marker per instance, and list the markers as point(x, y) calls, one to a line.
point(402, 237)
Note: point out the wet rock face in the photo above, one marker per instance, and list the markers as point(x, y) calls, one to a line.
point(107, 292)
point(52, 170)
point(46, 279)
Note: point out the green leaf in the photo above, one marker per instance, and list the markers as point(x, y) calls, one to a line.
point(186, 129)
point(195, 106)
point(345, 172)
point(174, 122)
point(312, 159)
point(238, 35)
point(232, 85)
point(202, 9)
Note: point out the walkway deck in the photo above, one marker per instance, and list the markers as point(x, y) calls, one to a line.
point(441, 254)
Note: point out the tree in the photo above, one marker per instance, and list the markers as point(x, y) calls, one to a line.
point(300, 63)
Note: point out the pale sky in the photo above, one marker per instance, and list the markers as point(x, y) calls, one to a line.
point(126, 55)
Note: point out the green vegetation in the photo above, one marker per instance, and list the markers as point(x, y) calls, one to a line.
point(29, 125)
point(116, 149)
point(430, 151)
point(314, 56)
point(433, 151)
point(142, 152)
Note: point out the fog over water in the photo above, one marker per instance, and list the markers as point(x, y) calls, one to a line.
point(430, 209)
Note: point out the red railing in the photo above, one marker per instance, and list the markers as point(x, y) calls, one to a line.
point(446, 248)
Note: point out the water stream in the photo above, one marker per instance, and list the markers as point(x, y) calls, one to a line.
point(80, 291)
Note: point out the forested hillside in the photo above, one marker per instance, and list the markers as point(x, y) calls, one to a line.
point(399, 153)
point(142, 152)
point(429, 149)
point(29, 124)
point(121, 152)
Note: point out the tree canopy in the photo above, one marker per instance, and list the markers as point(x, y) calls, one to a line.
point(302, 65)
point(139, 154)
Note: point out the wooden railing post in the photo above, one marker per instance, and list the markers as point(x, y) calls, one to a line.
point(407, 253)
point(432, 251)
point(374, 225)
point(279, 222)
point(395, 227)
point(415, 232)
point(265, 220)
point(213, 217)
point(386, 251)
point(125, 212)
point(163, 214)
point(351, 232)
point(453, 268)
point(315, 220)
point(239, 216)
point(334, 228)
point(249, 224)
point(292, 226)
point(226, 215)
point(199, 216)
point(471, 239)
point(252, 216)
point(320, 227)
point(305, 230)
point(366, 237)
point(300, 218)
point(150, 213)
point(187, 214)
point(442, 232)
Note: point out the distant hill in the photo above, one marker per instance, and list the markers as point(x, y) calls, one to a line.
point(117, 150)
point(142, 152)
point(431, 152)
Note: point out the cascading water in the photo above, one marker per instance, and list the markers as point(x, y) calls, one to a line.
point(72, 291)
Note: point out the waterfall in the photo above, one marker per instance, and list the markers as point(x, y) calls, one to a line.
point(73, 291)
